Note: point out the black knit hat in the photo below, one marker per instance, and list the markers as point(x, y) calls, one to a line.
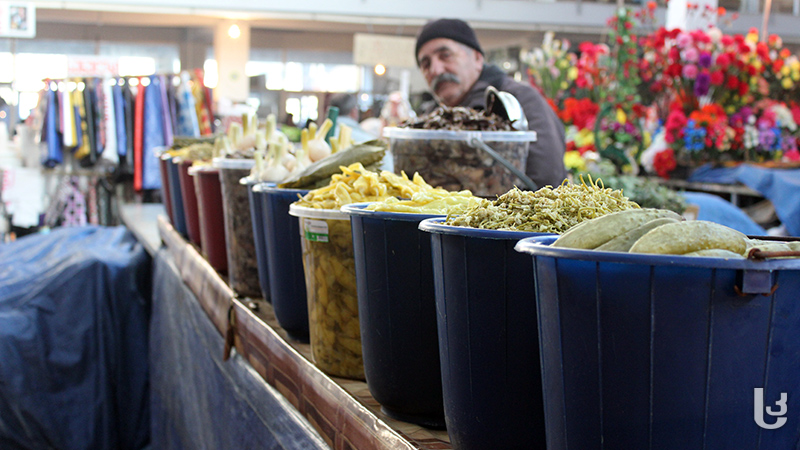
point(454, 29)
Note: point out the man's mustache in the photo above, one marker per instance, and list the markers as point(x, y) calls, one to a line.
point(445, 77)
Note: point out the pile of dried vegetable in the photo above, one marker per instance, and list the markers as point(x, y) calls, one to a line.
point(548, 210)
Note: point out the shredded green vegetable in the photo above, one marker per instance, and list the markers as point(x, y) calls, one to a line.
point(548, 210)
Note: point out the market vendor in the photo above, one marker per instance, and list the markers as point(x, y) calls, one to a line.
point(452, 62)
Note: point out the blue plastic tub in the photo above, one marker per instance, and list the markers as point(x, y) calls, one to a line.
point(284, 257)
point(488, 340)
point(175, 193)
point(285, 260)
point(397, 311)
point(259, 231)
point(661, 352)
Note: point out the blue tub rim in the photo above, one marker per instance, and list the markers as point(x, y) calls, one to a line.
point(359, 209)
point(541, 246)
point(272, 188)
point(435, 225)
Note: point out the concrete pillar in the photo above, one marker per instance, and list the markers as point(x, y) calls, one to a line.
point(231, 54)
point(193, 48)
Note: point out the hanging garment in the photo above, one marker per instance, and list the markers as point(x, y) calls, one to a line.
point(130, 107)
point(91, 202)
point(153, 134)
point(100, 121)
point(53, 155)
point(74, 212)
point(203, 119)
point(119, 121)
point(166, 119)
point(110, 122)
point(90, 106)
point(138, 117)
point(187, 111)
point(68, 132)
point(207, 97)
point(82, 148)
point(172, 101)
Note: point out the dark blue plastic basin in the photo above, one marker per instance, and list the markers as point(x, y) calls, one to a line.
point(176, 194)
point(259, 231)
point(488, 339)
point(397, 313)
point(285, 259)
point(661, 352)
point(166, 198)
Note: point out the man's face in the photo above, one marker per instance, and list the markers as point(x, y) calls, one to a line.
point(450, 69)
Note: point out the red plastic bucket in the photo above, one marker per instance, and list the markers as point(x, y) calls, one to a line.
point(210, 216)
point(189, 201)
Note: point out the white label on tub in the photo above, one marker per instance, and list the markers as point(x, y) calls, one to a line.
point(315, 230)
point(758, 410)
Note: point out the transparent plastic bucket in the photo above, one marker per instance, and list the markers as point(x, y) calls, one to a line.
point(330, 273)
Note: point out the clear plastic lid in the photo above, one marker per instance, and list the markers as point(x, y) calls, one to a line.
point(234, 163)
point(466, 136)
point(317, 213)
point(194, 170)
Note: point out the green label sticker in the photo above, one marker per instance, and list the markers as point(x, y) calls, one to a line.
point(316, 230)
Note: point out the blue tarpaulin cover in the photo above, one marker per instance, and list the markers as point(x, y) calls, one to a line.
point(74, 312)
point(716, 209)
point(780, 186)
point(201, 401)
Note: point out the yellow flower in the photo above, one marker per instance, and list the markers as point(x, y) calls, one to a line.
point(563, 64)
point(621, 117)
point(785, 70)
point(757, 64)
point(574, 161)
point(572, 73)
point(787, 83)
point(751, 37)
point(584, 137)
point(564, 85)
point(795, 76)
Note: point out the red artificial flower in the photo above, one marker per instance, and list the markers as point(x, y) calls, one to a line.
point(721, 11)
point(674, 54)
point(785, 53)
point(762, 50)
point(651, 5)
point(628, 25)
point(717, 78)
point(723, 60)
point(674, 70)
point(777, 65)
point(744, 88)
point(664, 162)
point(676, 121)
point(726, 40)
point(732, 82)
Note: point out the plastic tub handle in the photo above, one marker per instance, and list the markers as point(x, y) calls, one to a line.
point(756, 282)
point(477, 142)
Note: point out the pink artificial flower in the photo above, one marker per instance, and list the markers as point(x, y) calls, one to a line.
point(690, 71)
point(691, 54)
point(684, 40)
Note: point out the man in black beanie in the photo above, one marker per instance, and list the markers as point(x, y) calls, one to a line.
point(451, 60)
